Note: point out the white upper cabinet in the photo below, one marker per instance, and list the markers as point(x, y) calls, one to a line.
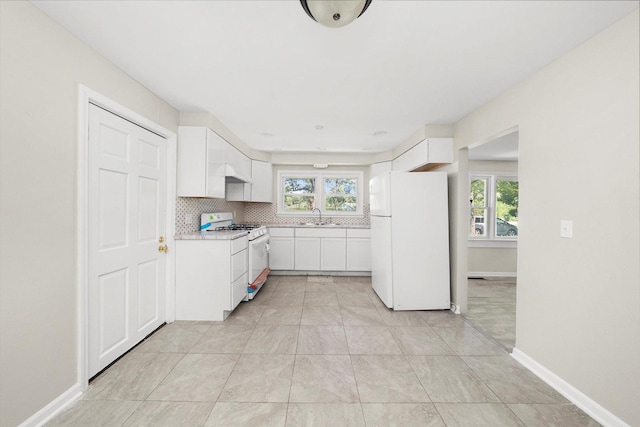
point(200, 166)
point(426, 155)
point(379, 168)
point(262, 181)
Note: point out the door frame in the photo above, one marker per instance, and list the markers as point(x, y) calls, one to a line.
point(85, 97)
point(462, 219)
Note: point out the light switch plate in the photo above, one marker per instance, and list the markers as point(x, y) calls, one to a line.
point(188, 218)
point(566, 228)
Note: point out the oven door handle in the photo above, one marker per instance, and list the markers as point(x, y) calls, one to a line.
point(267, 247)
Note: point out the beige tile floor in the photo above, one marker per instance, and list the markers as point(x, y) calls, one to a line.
point(492, 308)
point(320, 351)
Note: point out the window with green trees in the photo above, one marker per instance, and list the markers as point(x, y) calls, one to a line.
point(493, 207)
point(332, 193)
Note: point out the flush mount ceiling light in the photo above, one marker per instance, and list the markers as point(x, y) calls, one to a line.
point(335, 13)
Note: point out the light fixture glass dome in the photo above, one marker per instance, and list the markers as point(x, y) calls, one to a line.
point(335, 13)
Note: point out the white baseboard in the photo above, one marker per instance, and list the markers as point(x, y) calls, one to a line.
point(575, 396)
point(492, 274)
point(58, 405)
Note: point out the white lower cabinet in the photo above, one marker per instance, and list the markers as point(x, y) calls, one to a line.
point(333, 254)
point(211, 278)
point(319, 249)
point(281, 252)
point(307, 253)
point(358, 250)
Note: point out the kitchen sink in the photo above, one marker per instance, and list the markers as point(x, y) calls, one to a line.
point(316, 224)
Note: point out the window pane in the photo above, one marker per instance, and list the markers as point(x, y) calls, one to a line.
point(478, 193)
point(340, 185)
point(478, 224)
point(299, 203)
point(506, 208)
point(340, 203)
point(299, 185)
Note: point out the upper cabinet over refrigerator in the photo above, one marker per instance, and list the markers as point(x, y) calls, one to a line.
point(426, 155)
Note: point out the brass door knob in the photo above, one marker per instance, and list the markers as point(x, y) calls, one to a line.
point(161, 239)
point(163, 248)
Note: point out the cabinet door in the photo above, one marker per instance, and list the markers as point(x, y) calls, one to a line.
point(281, 253)
point(307, 253)
point(333, 253)
point(412, 159)
point(191, 168)
point(440, 150)
point(262, 181)
point(215, 185)
point(379, 168)
point(358, 254)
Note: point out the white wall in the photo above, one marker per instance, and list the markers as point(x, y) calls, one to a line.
point(40, 68)
point(578, 305)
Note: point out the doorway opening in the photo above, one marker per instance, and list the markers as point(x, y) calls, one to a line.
point(492, 238)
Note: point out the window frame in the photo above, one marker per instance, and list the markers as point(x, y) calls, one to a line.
point(491, 239)
point(319, 193)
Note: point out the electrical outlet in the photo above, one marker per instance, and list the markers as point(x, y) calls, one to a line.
point(566, 229)
point(234, 214)
point(188, 218)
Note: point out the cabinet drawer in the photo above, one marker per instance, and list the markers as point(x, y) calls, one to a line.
point(238, 290)
point(238, 265)
point(281, 232)
point(238, 245)
point(321, 232)
point(359, 232)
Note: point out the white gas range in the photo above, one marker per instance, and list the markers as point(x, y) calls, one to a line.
point(258, 251)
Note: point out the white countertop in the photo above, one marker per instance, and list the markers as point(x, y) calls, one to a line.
point(317, 226)
point(231, 235)
point(217, 235)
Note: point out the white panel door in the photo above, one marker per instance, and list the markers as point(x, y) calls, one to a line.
point(127, 209)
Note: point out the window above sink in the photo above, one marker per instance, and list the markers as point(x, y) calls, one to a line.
point(333, 193)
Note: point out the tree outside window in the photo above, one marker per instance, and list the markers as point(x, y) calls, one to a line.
point(300, 192)
point(506, 208)
point(340, 194)
point(494, 197)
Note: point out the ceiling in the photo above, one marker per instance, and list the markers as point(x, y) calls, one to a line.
point(503, 149)
point(282, 82)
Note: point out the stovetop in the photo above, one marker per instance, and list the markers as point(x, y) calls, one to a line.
point(240, 227)
point(222, 222)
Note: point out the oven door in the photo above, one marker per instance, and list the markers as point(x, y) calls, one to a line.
point(258, 256)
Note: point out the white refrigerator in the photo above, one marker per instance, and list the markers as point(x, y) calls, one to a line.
point(410, 240)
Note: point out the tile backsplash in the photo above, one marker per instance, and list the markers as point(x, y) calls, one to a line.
point(260, 213)
point(197, 206)
point(265, 213)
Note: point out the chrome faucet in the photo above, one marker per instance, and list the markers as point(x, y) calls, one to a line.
point(319, 215)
